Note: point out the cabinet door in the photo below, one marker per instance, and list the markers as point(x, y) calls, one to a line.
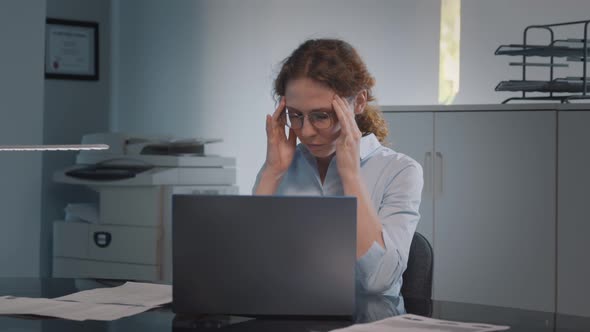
point(573, 269)
point(494, 208)
point(412, 133)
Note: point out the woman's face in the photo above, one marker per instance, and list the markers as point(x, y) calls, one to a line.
point(304, 96)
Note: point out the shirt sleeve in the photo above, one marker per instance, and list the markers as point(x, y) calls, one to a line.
point(380, 268)
point(257, 181)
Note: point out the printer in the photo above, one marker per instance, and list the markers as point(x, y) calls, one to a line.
point(128, 233)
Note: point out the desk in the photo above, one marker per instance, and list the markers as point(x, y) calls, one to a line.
point(369, 308)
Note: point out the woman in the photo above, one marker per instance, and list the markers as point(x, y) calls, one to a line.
point(324, 91)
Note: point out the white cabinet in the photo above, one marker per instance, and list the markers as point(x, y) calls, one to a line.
point(489, 202)
point(413, 135)
point(573, 226)
point(495, 208)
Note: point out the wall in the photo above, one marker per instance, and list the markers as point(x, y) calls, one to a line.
point(22, 32)
point(72, 108)
point(205, 68)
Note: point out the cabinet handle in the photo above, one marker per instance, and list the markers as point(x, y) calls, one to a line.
point(427, 171)
point(439, 176)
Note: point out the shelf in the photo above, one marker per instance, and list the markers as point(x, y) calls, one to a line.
point(542, 51)
point(542, 86)
point(534, 64)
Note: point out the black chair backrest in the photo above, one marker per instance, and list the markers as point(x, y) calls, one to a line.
point(417, 279)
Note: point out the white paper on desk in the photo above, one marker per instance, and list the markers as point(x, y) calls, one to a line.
point(64, 309)
point(414, 323)
point(131, 293)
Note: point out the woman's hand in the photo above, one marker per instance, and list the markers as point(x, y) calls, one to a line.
point(280, 149)
point(369, 229)
point(348, 143)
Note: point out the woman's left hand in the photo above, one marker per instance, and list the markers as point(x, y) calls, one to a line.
point(348, 143)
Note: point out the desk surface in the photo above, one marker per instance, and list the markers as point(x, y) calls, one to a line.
point(369, 308)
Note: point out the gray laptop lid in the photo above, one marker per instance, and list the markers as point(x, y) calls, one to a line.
point(264, 255)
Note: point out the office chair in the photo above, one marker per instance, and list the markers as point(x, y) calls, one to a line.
point(417, 279)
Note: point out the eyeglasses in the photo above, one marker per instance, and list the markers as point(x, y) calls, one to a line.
point(320, 120)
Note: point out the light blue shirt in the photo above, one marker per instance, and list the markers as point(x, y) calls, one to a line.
point(394, 182)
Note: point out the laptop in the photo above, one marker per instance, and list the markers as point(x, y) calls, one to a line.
point(264, 256)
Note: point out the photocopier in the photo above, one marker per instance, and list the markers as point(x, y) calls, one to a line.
point(128, 234)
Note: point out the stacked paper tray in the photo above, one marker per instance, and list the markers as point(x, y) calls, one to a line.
point(541, 86)
point(538, 50)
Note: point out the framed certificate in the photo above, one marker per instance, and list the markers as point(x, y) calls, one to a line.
point(71, 49)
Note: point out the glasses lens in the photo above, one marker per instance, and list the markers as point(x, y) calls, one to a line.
point(321, 120)
point(294, 120)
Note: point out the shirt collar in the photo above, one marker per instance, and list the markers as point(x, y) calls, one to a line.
point(368, 144)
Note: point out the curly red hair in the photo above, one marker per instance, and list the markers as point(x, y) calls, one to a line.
point(336, 64)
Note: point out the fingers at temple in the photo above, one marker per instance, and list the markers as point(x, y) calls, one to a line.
point(340, 109)
point(268, 124)
point(292, 137)
point(280, 108)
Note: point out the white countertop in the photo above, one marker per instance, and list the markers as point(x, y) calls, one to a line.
point(487, 107)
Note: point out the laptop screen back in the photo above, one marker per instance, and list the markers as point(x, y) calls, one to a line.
point(264, 255)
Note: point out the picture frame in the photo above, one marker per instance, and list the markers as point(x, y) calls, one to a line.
point(71, 49)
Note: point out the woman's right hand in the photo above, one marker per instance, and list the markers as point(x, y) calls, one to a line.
point(280, 149)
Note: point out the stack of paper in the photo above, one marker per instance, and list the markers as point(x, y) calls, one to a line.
point(96, 304)
point(414, 323)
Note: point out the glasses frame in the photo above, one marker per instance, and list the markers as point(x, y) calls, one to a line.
point(332, 115)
